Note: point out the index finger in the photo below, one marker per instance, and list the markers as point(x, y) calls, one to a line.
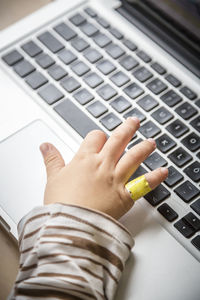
point(93, 142)
point(116, 144)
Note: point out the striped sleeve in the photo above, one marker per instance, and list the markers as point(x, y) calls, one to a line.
point(70, 252)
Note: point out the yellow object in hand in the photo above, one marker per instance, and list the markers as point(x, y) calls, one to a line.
point(138, 187)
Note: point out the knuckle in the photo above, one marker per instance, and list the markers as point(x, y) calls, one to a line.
point(96, 132)
point(125, 199)
point(50, 158)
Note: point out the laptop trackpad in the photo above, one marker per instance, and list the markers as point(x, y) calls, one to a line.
point(22, 170)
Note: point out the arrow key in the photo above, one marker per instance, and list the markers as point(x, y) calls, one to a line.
point(185, 228)
point(193, 221)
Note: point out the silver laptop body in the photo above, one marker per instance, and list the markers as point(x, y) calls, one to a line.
point(164, 264)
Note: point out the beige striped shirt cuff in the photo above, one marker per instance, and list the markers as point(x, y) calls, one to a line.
point(70, 252)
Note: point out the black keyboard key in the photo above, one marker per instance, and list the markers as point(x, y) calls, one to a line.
point(198, 102)
point(193, 171)
point(77, 19)
point(198, 155)
point(157, 86)
point(196, 242)
point(24, 68)
point(80, 68)
point(119, 78)
point(188, 93)
point(36, 80)
point(102, 40)
point(192, 141)
point(187, 191)
point(106, 67)
point(12, 57)
point(139, 172)
point(57, 72)
point(90, 12)
point(177, 128)
point(171, 98)
point(120, 104)
point(193, 221)
point(135, 113)
point(173, 80)
point(93, 80)
point(114, 51)
point(107, 92)
point(70, 84)
point(196, 123)
point(65, 31)
point(158, 68)
point(180, 157)
point(89, 29)
point(196, 206)
point(158, 195)
point(31, 48)
point(167, 212)
point(135, 143)
point(110, 121)
point(44, 60)
point(173, 177)
point(79, 44)
point(133, 90)
point(149, 129)
point(130, 45)
point(128, 62)
point(184, 228)
point(83, 96)
point(67, 56)
point(162, 115)
point(116, 33)
point(97, 109)
point(186, 110)
point(142, 74)
point(155, 161)
point(50, 94)
point(102, 22)
point(144, 56)
point(50, 42)
point(92, 55)
point(71, 113)
point(147, 103)
point(165, 143)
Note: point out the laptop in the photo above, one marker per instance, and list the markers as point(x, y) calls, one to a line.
point(74, 66)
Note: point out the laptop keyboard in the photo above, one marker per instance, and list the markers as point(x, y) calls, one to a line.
point(107, 78)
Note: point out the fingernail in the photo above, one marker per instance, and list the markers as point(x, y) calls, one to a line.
point(152, 141)
point(135, 119)
point(44, 148)
point(164, 171)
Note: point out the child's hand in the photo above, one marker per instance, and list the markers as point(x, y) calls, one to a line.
point(96, 176)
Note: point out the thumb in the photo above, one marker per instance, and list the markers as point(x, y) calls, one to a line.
point(52, 158)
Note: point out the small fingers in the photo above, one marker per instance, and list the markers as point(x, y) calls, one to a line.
point(93, 142)
point(129, 163)
point(157, 176)
point(118, 141)
point(142, 185)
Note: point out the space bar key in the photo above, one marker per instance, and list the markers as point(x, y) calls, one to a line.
point(75, 117)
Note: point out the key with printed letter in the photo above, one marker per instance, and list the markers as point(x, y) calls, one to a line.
point(149, 129)
point(180, 157)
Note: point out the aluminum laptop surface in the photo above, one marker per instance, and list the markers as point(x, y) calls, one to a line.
point(160, 267)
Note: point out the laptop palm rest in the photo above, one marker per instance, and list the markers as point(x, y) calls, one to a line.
point(22, 171)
